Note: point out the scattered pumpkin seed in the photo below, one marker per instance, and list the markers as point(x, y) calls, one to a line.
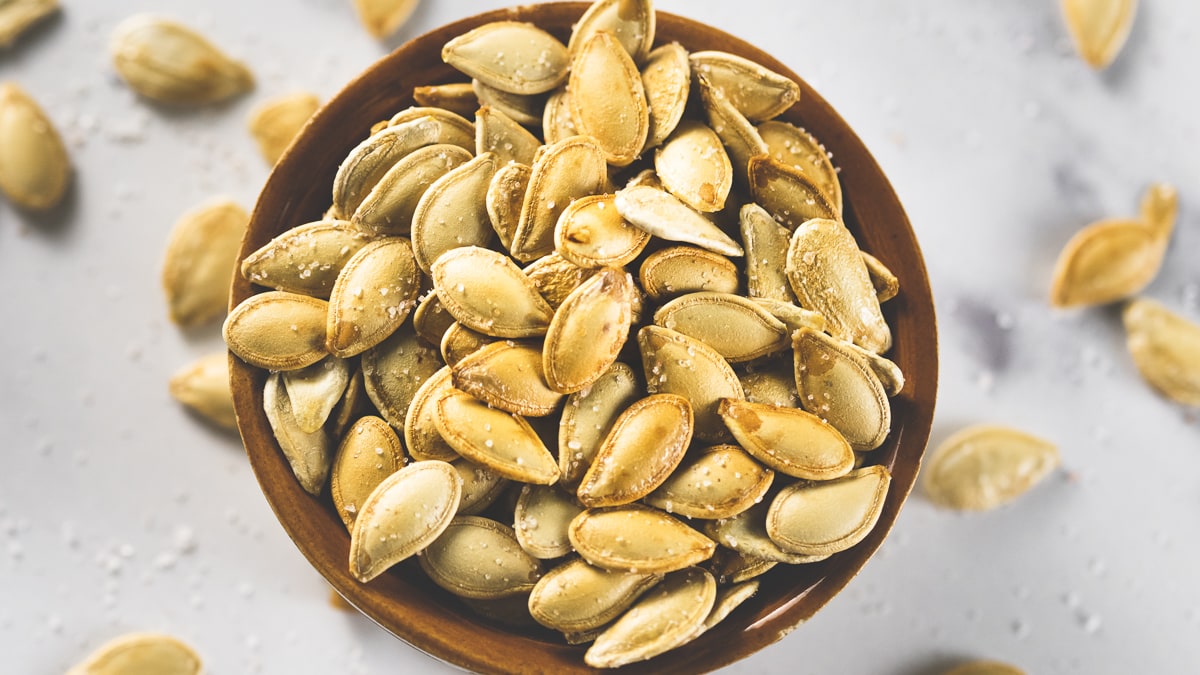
point(275, 123)
point(1165, 348)
point(141, 653)
point(1099, 28)
point(985, 466)
point(18, 16)
point(203, 386)
point(170, 63)
point(382, 18)
point(34, 166)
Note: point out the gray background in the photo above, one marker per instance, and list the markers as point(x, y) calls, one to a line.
point(119, 512)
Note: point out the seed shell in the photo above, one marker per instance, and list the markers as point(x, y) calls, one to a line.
point(34, 166)
point(481, 486)
point(636, 538)
point(389, 207)
point(646, 443)
point(666, 79)
point(507, 376)
point(631, 22)
point(1107, 261)
point(18, 16)
point(453, 211)
point(563, 172)
point(555, 277)
point(309, 454)
point(315, 390)
point(500, 135)
point(736, 328)
point(791, 441)
point(541, 519)
point(693, 166)
point(837, 383)
point(514, 57)
point(372, 296)
point(275, 123)
point(431, 320)
point(369, 453)
point(486, 292)
point(200, 260)
point(607, 100)
point(558, 122)
point(1099, 28)
point(677, 364)
point(792, 316)
point(203, 386)
point(527, 110)
point(457, 97)
point(742, 141)
point(588, 331)
point(789, 144)
point(305, 259)
point(134, 653)
point(591, 233)
point(479, 558)
point(459, 342)
point(686, 269)
point(665, 216)
point(170, 63)
point(500, 441)
point(505, 195)
point(393, 372)
point(717, 482)
point(886, 285)
point(757, 92)
point(588, 416)
point(421, 436)
point(1165, 348)
point(576, 596)
point(277, 330)
point(788, 194)
point(826, 517)
point(746, 533)
point(729, 599)
point(986, 466)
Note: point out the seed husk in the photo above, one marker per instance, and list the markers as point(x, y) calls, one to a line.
point(773, 383)
point(720, 481)
point(607, 99)
point(459, 342)
point(18, 16)
point(984, 668)
point(309, 454)
point(685, 269)
point(591, 233)
point(505, 195)
point(507, 376)
point(637, 538)
point(666, 79)
point(588, 416)
point(788, 194)
point(791, 441)
point(451, 120)
point(393, 372)
point(1159, 208)
point(1107, 261)
point(736, 328)
point(826, 517)
point(382, 18)
point(677, 364)
point(203, 386)
point(421, 436)
point(746, 533)
point(481, 486)
point(134, 653)
point(557, 120)
point(402, 515)
point(480, 558)
point(431, 320)
point(588, 331)
point(1165, 348)
point(369, 453)
point(742, 141)
point(527, 110)
point(486, 292)
point(453, 211)
point(541, 518)
point(555, 277)
point(757, 92)
point(354, 404)
point(499, 134)
point(563, 172)
point(669, 615)
point(372, 296)
point(792, 316)
point(305, 259)
point(985, 466)
point(766, 243)
point(277, 330)
point(646, 443)
point(200, 260)
point(170, 63)
point(838, 384)
point(789, 144)
point(500, 441)
point(693, 166)
point(886, 285)
point(631, 22)
point(576, 596)
point(457, 97)
point(275, 123)
point(663, 215)
point(315, 390)
point(1099, 28)
point(34, 166)
point(389, 207)
point(514, 57)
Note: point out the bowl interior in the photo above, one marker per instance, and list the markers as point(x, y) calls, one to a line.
point(403, 601)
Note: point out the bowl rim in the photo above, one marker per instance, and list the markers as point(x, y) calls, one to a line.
point(395, 602)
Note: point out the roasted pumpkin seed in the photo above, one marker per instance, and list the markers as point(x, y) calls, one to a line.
point(203, 386)
point(788, 194)
point(1099, 28)
point(736, 328)
point(791, 441)
point(170, 63)
point(729, 599)
point(486, 292)
point(373, 295)
point(457, 97)
point(369, 453)
point(431, 320)
point(563, 172)
point(382, 18)
point(984, 668)
point(527, 110)
point(18, 16)
point(717, 482)
point(789, 144)
point(200, 260)
point(421, 436)
point(591, 233)
point(453, 211)
point(515, 57)
point(500, 135)
point(837, 383)
point(665, 216)
point(393, 372)
point(505, 195)
point(646, 443)
point(669, 615)
point(305, 259)
point(555, 277)
point(986, 466)
point(507, 376)
point(315, 390)
point(588, 416)
point(500, 441)
point(693, 166)
point(741, 139)
point(746, 533)
point(309, 454)
point(792, 316)
point(772, 383)
point(631, 22)
point(277, 330)
point(1165, 348)
point(34, 166)
point(757, 92)
point(886, 285)
point(389, 207)
point(459, 342)
point(1107, 261)
point(607, 99)
point(826, 517)
point(588, 331)
point(479, 558)
point(686, 269)
point(541, 519)
point(480, 488)
point(666, 80)
point(557, 120)
point(677, 364)
point(576, 596)
point(636, 538)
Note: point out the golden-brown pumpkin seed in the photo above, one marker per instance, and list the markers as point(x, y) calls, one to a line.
point(541, 519)
point(729, 599)
point(1165, 348)
point(203, 386)
point(838, 384)
point(826, 517)
point(403, 515)
point(389, 207)
point(486, 292)
point(792, 316)
point(772, 383)
point(788, 194)
point(500, 441)
point(742, 141)
point(515, 57)
point(1159, 208)
point(431, 320)
point(829, 276)
point(693, 166)
point(669, 615)
point(789, 144)
point(588, 416)
point(275, 123)
point(499, 134)
point(563, 172)
point(453, 211)
point(480, 558)
point(147, 653)
point(315, 390)
point(309, 454)
point(637, 538)
point(527, 110)
point(746, 533)
point(577, 596)
point(200, 260)
point(588, 331)
point(372, 296)
point(886, 285)
point(666, 79)
point(34, 167)
point(557, 120)
point(591, 233)
point(984, 668)
point(421, 436)
point(277, 330)
point(505, 195)
point(393, 372)
point(170, 63)
point(457, 97)
point(791, 441)
point(677, 364)
point(369, 453)
point(555, 277)
point(305, 259)
point(663, 215)
point(631, 22)
point(18, 16)
point(1099, 28)
point(507, 376)
point(766, 243)
point(480, 488)
point(686, 269)
point(986, 466)
point(717, 482)
point(757, 92)
point(607, 99)
point(381, 18)
point(736, 328)
point(1106, 261)
point(354, 404)
point(459, 342)
point(646, 443)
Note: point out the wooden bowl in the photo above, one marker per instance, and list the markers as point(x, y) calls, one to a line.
point(403, 600)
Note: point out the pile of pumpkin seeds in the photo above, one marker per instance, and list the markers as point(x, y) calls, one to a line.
point(598, 358)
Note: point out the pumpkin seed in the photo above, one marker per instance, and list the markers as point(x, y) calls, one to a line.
point(685, 269)
point(727, 600)
point(607, 100)
point(746, 533)
point(389, 207)
point(984, 668)
point(458, 97)
point(507, 376)
point(453, 212)
point(792, 316)
point(200, 260)
point(736, 328)
point(677, 364)
point(576, 596)
point(757, 92)
point(170, 63)
point(741, 139)
point(826, 517)
point(693, 167)
point(588, 416)
point(631, 22)
point(309, 454)
point(203, 386)
point(985, 466)
point(720, 481)
point(382, 18)
point(456, 126)
point(772, 383)
point(275, 123)
point(636, 538)
point(277, 330)
point(1165, 348)
point(305, 259)
point(788, 194)
point(791, 441)
point(420, 431)
point(646, 443)
point(499, 134)
point(315, 390)
point(828, 276)
point(588, 331)
point(1099, 28)
point(1106, 261)
point(480, 558)
point(555, 277)
point(34, 167)
point(431, 320)
point(666, 79)
point(731, 567)
point(886, 285)
point(837, 384)
point(505, 195)
point(17, 16)
point(514, 57)
point(500, 441)
point(480, 489)
point(591, 233)
point(369, 453)
point(789, 144)
point(669, 615)
point(557, 120)
point(459, 342)
point(1160, 206)
point(665, 216)
point(527, 110)
point(393, 372)
point(486, 292)
point(541, 519)
point(563, 172)
point(372, 296)
point(141, 653)
point(354, 404)
point(766, 245)
point(402, 515)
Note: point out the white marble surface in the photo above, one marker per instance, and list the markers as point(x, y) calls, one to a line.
point(119, 512)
